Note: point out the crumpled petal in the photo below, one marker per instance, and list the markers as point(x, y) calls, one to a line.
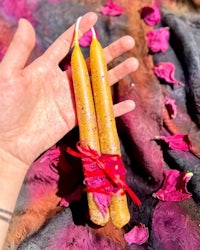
point(74, 196)
point(86, 39)
point(111, 9)
point(157, 40)
point(171, 107)
point(151, 15)
point(138, 235)
point(166, 71)
point(175, 186)
point(177, 142)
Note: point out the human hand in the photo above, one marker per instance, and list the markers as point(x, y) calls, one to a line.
point(36, 101)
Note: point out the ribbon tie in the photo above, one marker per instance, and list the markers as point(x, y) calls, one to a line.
point(106, 167)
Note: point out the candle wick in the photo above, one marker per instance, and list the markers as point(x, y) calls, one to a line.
point(76, 30)
point(93, 33)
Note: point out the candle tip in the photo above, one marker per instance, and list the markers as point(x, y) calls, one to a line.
point(76, 30)
point(93, 33)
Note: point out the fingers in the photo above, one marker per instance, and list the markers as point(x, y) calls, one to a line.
point(58, 50)
point(20, 48)
point(124, 107)
point(118, 48)
point(122, 70)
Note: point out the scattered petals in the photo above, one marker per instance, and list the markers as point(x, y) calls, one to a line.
point(86, 39)
point(138, 235)
point(174, 186)
point(166, 71)
point(151, 15)
point(171, 107)
point(111, 9)
point(74, 196)
point(157, 40)
point(177, 142)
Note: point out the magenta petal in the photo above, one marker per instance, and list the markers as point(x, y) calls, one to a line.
point(151, 15)
point(171, 107)
point(166, 70)
point(177, 142)
point(174, 186)
point(86, 39)
point(138, 235)
point(157, 40)
point(111, 9)
point(102, 201)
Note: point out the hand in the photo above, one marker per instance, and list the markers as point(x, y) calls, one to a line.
point(36, 101)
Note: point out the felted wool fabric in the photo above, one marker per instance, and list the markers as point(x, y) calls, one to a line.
point(39, 222)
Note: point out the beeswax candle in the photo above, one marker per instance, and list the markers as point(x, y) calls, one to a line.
point(86, 117)
point(108, 136)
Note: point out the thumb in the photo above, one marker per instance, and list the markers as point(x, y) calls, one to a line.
point(20, 48)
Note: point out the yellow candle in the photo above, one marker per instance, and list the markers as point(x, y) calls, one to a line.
point(86, 116)
point(108, 136)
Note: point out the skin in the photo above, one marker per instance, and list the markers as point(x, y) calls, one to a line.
point(37, 104)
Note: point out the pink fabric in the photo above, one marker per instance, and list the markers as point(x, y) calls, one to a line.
point(171, 107)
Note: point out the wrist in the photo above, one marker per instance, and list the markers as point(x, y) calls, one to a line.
point(12, 173)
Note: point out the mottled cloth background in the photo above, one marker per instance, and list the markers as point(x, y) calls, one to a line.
point(39, 222)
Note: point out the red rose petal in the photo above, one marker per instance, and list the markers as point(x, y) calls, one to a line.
point(151, 15)
point(174, 187)
point(157, 40)
point(177, 142)
point(86, 39)
point(138, 235)
point(111, 9)
point(166, 71)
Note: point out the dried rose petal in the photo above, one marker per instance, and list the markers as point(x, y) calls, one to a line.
point(166, 70)
point(174, 187)
point(74, 196)
point(171, 107)
point(151, 15)
point(86, 39)
point(177, 142)
point(111, 9)
point(138, 235)
point(157, 40)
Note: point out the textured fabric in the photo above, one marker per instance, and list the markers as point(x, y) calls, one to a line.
point(39, 222)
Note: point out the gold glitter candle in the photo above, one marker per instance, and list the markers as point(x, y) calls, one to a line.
point(108, 136)
point(86, 116)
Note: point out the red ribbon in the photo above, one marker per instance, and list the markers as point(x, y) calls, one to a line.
point(108, 167)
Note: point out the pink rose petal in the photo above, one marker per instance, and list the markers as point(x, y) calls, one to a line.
point(111, 9)
point(86, 39)
point(166, 71)
point(177, 142)
point(174, 187)
point(157, 40)
point(74, 196)
point(171, 107)
point(151, 15)
point(138, 235)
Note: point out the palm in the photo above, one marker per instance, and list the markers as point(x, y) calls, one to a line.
point(37, 107)
point(45, 110)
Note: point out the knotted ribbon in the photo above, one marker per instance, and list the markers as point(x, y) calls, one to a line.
point(109, 168)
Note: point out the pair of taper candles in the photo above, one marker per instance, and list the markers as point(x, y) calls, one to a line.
point(96, 121)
